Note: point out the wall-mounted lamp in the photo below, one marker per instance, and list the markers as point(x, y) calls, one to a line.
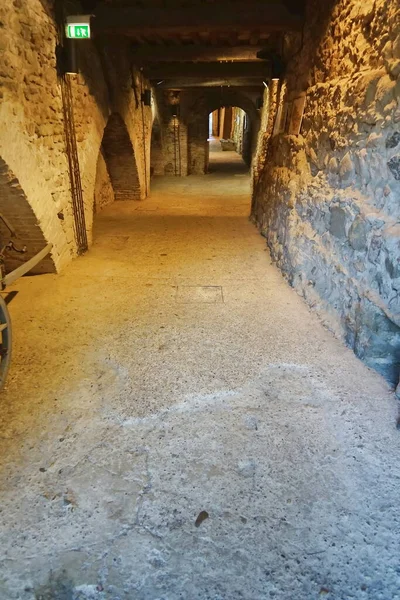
point(146, 97)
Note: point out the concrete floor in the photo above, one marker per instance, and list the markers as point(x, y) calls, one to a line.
point(171, 374)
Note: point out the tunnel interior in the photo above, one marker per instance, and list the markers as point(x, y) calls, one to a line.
point(202, 398)
point(229, 132)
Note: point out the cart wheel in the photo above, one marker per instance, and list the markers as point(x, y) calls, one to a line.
point(5, 343)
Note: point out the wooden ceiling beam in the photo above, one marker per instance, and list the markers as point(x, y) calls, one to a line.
point(151, 53)
point(225, 70)
point(130, 20)
point(178, 83)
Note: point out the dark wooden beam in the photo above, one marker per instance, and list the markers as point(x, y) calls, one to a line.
point(179, 83)
point(264, 16)
point(150, 53)
point(225, 70)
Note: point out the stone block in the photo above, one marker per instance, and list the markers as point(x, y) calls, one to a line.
point(392, 265)
point(337, 226)
point(333, 166)
point(320, 220)
point(346, 170)
point(396, 47)
point(378, 340)
point(361, 166)
point(375, 249)
point(384, 91)
point(396, 114)
point(393, 66)
point(358, 234)
point(374, 140)
point(394, 166)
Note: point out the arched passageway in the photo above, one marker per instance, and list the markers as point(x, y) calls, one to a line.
point(120, 159)
point(175, 412)
point(14, 206)
point(229, 141)
point(227, 103)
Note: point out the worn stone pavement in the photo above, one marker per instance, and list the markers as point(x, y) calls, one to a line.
point(172, 372)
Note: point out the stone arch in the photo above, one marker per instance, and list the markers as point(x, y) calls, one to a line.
point(231, 97)
point(103, 189)
point(120, 159)
point(198, 113)
point(14, 206)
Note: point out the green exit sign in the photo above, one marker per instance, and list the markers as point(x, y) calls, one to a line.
point(78, 31)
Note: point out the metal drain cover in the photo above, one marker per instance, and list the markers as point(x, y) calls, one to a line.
point(199, 294)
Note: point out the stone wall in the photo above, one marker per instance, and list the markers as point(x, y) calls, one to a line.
point(25, 231)
point(238, 125)
point(215, 123)
point(108, 122)
point(125, 85)
point(242, 134)
point(103, 190)
point(328, 198)
point(32, 139)
point(31, 123)
point(120, 159)
point(171, 139)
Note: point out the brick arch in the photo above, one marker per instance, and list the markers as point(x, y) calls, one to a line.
point(120, 159)
point(15, 207)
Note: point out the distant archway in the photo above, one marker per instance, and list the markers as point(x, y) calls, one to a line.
point(232, 126)
point(198, 124)
point(14, 206)
point(120, 159)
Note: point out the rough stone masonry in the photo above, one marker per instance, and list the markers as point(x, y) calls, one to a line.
point(32, 144)
point(328, 198)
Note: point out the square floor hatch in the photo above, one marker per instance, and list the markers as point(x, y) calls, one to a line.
point(199, 294)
